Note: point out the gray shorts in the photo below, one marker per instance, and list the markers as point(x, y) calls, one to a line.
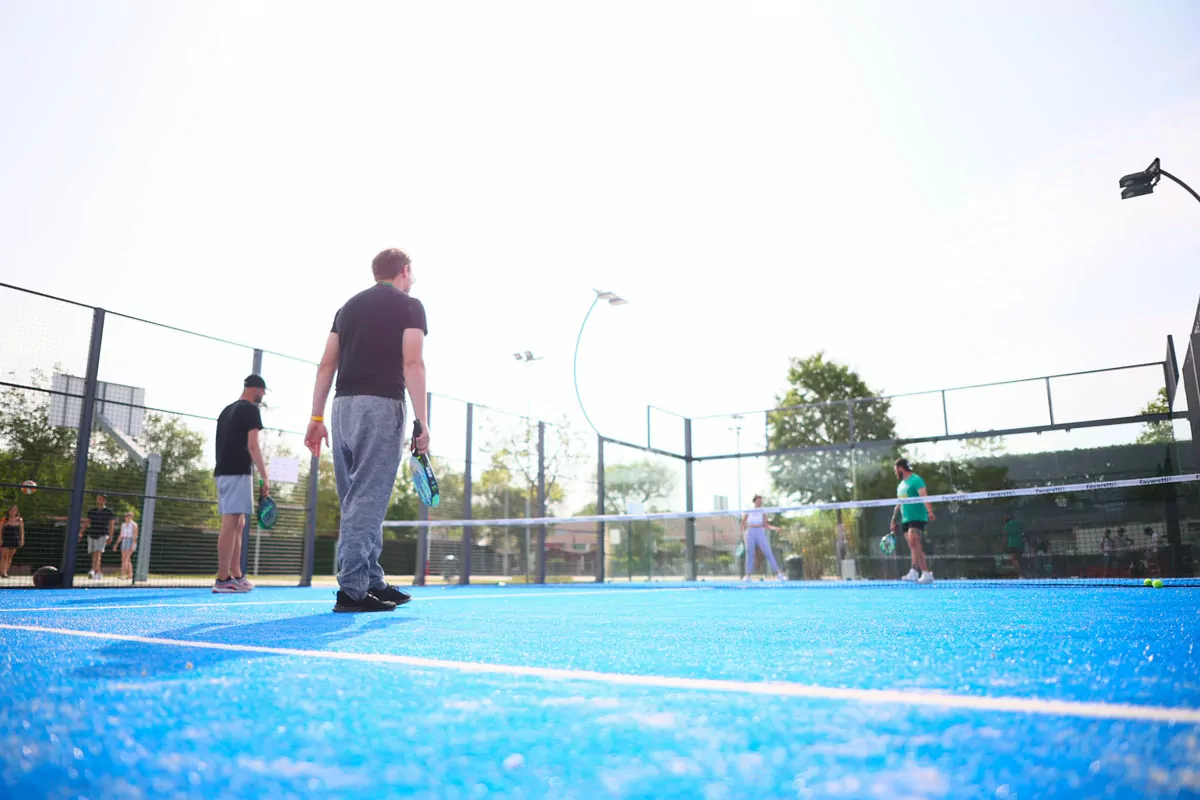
point(96, 544)
point(235, 494)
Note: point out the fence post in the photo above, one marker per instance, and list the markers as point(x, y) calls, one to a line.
point(541, 502)
point(423, 515)
point(82, 444)
point(255, 368)
point(599, 508)
point(464, 576)
point(146, 534)
point(689, 534)
point(310, 522)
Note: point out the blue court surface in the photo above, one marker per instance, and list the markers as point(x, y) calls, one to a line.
point(603, 691)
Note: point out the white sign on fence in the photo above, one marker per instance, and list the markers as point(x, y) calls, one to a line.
point(284, 470)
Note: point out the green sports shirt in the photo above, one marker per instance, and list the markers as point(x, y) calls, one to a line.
point(910, 487)
point(1013, 529)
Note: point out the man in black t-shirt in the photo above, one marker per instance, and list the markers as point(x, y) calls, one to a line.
point(99, 528)
point(376, 350)
point(237, 449)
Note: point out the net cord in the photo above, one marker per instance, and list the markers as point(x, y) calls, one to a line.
point(998, 494)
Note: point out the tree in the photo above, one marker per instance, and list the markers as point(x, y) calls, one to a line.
point(33, 449)
point(821, 388)
point(514, 464)
point(644, 481)
point(1157, 432)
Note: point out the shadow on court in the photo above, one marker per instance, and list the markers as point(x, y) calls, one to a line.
point(141, 661)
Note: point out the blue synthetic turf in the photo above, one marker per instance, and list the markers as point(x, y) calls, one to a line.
point(100, 718)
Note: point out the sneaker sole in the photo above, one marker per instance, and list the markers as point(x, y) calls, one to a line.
point(359, 609)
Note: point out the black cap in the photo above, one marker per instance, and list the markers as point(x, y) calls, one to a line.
point(255, 382)
point(903, 463)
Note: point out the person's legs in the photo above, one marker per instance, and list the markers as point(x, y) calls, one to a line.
point(917, 546)
point(368, 436)
point(227, 544)
point(750, 547)
point(6, 556)
point(763, 544)
point(96, 548)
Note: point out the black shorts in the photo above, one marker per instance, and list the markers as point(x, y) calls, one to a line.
point(916, 524)
point(1015, 549)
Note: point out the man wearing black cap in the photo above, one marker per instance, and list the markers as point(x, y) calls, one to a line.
point(913, 517)
point(237, 449)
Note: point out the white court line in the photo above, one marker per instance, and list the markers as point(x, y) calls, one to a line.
point(416, 599)
point(1015, 705)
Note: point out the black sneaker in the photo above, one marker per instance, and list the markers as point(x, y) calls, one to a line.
point(369, 603)
point(390, 594)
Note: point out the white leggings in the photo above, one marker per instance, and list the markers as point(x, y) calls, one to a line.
point(757, 538)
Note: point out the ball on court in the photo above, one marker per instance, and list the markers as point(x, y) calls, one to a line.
point(1147, 582)
point(1158, 584)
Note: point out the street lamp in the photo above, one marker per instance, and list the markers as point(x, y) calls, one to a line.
point(613, 300)
point(1137, 184)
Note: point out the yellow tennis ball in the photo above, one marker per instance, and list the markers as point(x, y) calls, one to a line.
point(1147, 582)
point(1158, 584)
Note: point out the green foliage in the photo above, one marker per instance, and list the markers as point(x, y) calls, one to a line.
point(820, 386)
point(1157, 432)
point(644, 481)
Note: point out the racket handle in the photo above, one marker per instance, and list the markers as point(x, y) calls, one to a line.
point(416, 428)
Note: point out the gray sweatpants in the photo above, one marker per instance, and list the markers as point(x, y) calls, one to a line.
point(368, 438)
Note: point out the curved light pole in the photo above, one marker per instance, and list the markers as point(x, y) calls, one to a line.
point(613, 300)
point(1140, 183)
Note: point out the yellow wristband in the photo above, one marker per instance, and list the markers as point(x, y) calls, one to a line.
point(318, 419)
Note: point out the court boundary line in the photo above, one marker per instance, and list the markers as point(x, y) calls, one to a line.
point(329, 601)
point(982, 703)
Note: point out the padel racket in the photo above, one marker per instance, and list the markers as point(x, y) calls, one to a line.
point(422, 473)
point(267, 512)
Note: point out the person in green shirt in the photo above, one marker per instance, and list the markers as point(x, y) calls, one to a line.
point(1015, 542)
point(913, 518)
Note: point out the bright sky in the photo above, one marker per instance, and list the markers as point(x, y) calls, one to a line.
point(926, 191)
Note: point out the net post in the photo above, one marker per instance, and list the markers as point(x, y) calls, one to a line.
point(1049, 401)
point(423, 515)
point(310, 522)
point(599, 508)
point(464, 576)
point(689, 530)
point(541, 501)
point(256, 368)
point(82, 444)
point(945, 414)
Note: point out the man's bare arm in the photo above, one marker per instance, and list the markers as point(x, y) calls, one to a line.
point(413, 347)
point(257, 457)
point(325, 372)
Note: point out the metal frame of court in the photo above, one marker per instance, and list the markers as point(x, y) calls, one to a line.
point(1171, 378)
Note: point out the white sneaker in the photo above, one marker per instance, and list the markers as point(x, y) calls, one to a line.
point(926, 577)
point(911, 576)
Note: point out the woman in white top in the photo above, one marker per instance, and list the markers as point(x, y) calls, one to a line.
point(128, 544)
point(754, 528)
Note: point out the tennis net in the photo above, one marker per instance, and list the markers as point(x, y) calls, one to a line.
point(1118, 532)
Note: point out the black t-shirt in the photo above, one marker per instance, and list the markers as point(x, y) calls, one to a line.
point(370, 329)
point(98, 519)
point(233, 429)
